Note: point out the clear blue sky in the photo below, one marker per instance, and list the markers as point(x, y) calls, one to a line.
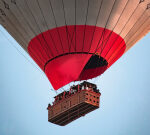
point(25, 93)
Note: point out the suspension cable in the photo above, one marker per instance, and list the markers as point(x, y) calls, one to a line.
point(110, 34)
point(75, 24)
point(56, 25)
point(99, 10)
point(37, 26)
point(123, 27)
point(102, 35)
point(95, 24)
point(67, 32)
point(133, 35)
point(20, 34)
point(85, 24)
point(105, 26)
point(47, 27)
point(12, 44)
point(34, 33)
point(133, 27)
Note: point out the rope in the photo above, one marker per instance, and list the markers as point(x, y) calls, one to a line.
point(131, 28)
point(94, 31)
point(115, 25)
point(95, 24)
point(134, 34)
point(85, 25)
point(105, 26)
point(137, 31)
point(47, 28)
point(75, 25)
point(11, 43)
point(56, 25)
point(20, 34)
point(123, 28)
point(65, 23)
point(38, 27)
point(32, 32)
point(102, 35)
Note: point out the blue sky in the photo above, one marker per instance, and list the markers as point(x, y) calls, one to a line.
point(25, 93)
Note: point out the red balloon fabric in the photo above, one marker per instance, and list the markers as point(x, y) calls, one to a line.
point(65, 53)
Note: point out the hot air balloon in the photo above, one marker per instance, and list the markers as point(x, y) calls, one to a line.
point(74, 40)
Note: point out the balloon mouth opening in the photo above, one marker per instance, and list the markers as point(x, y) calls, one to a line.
point(95, 66)
point(95, 61)
point(74, 66)
point(94, 58)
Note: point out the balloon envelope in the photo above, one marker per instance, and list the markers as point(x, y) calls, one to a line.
point(73, 40)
